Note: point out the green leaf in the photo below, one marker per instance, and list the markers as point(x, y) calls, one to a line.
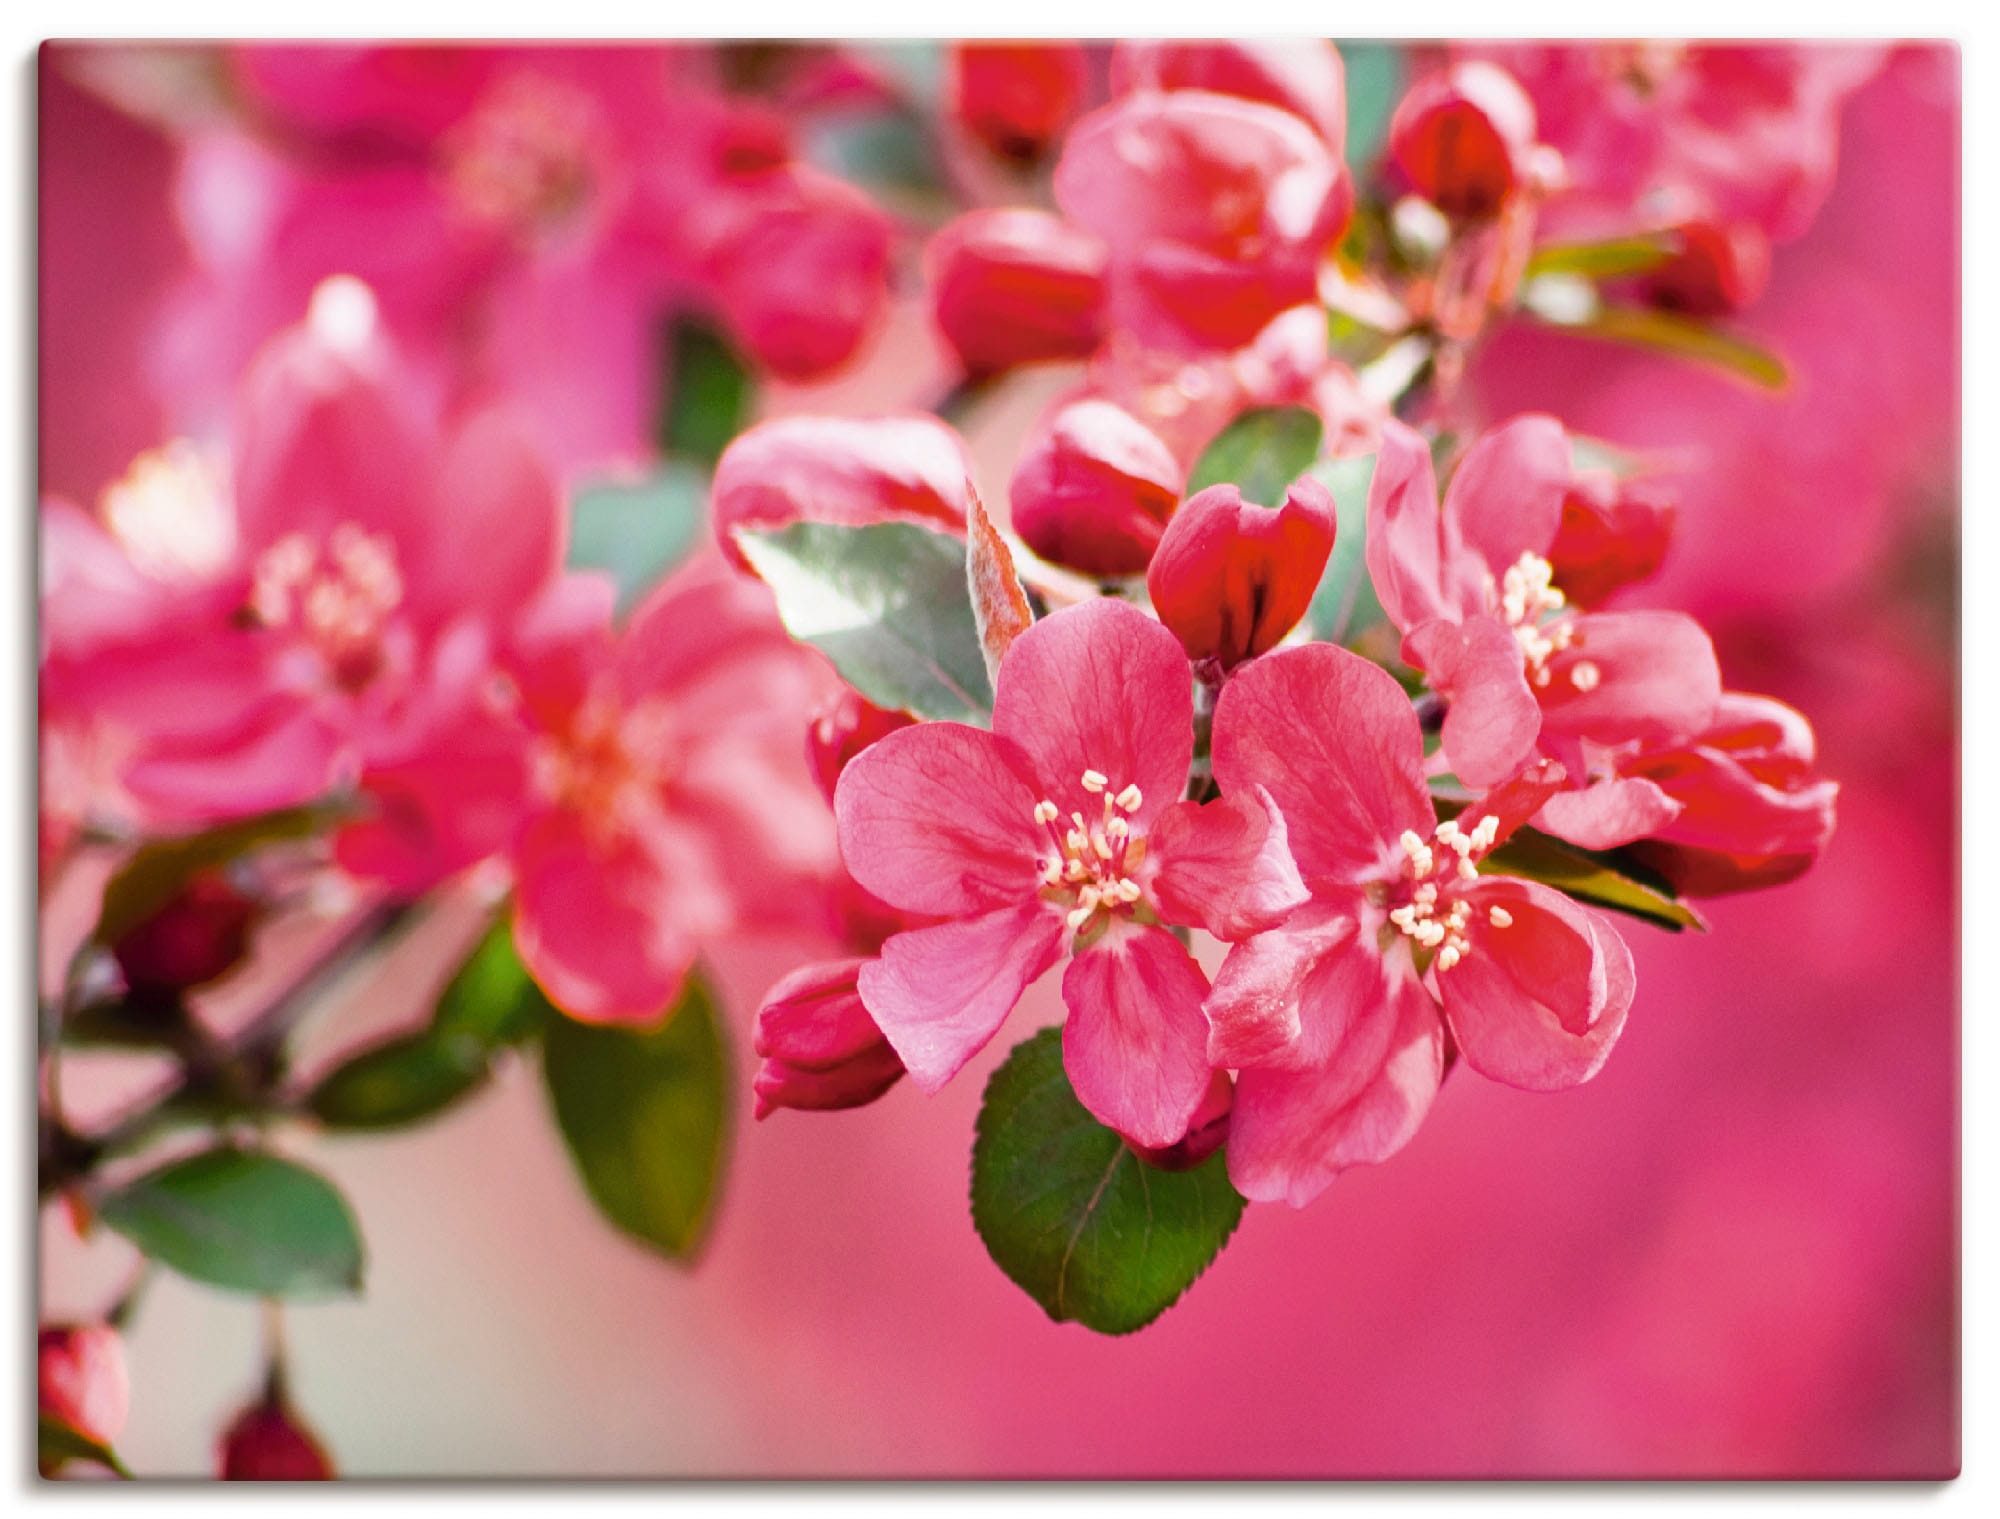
point(708, 393)
point(1664, 332)
point(242, 1220)
point(645, 1113)
point(1261, 453)
point(637, 530)
point(1607, 258)
point(1345, 602)
point(158, 871)
point(492, 997)
point(1374, 73)
point(1602, 878)
point(57, 1442)
point(888, 604)
point(1085, 1227)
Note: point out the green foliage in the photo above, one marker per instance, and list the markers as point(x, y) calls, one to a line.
point(645, 1113)
point(1345, 602)
point(1261, 453)
point(159, 871)
point(888, 604)
point(243, 1220)
point(1602, 878)
point(1607, 258)
point(1085, 1227)
point(57, 1442)
point(708, 393)
point(1374, 71)
point(638, 530)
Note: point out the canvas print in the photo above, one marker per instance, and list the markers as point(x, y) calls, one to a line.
point(1161, 758)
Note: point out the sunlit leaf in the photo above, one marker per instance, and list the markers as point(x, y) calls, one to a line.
point(1607, 258)
point(1601, 878)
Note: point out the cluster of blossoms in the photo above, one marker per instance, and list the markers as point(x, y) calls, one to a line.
point(1293, 869)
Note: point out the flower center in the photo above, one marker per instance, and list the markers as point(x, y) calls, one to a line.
point(1533, 609)
point(1092, 861)
point(527, 158)
point(1435, 916)
point(610, 762)
point(338, 593)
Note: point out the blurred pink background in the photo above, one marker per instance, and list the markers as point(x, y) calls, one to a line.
point(1734, 1253)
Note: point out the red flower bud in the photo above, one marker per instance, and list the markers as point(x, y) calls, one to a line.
point(198, 937)
point(1613, 533)
point(81, 1379)
point(1017, 286)
point(909, 468)
point(1231, 578)
point(1206, 1131)
point(820, 1048)
point(1303, 77)
point(268, 1442)
point(1719, 269)
point(841, 729)
point(1463, 138)
point(1094, 491)
point(1016, 98)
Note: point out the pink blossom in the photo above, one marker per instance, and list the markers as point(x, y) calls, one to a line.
point(1015, 98)
point(1336, 1019)
point(1470, 587)
point(82, 1380)
point(1300, 75)
point(1016, 286)
point(1464, 139)
point(1094, 489)
point(819, 1047)
point(905, 468)
point(1059, 832)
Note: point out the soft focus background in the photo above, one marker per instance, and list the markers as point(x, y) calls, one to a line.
point(1733, 1253)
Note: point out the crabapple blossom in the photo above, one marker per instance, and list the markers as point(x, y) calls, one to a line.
point(1303, 76)
point(1464, 138)
point(1015, 98)
point(81, 1378)
point(1016, 286)
point(1094, 489)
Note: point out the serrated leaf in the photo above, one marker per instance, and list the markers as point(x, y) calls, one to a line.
point(1601, 878)
point(637, 530)
point(1072, 1216)
point(708, 393)
point(1345, 601)
point(159, 871)
point(1261, 453)
point(242, 1220)
point(645, 1113)
point(1000, 607)
point(57, 1442)
point(887, 603)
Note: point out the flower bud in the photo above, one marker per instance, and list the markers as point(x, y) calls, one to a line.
point(1464, 138)
point(81, 1379)
point(854, 471)
point(1016, 286)
point(1231, 578)
point(841, 729)
point(1206, 1131)
point(1300, 76)
point(1719, 269)
point(1094, 491)
point(269, 1442)
point(1016, 98)
point(1613, 533)
point(197, 938)
point(819, 1046)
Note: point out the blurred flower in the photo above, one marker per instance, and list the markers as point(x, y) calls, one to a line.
point(1327, 1018)
point(1464, 138)
point(1613, 533)
point(1015, 98)
point(988, 830)
point(853, 471)
point(81, 1378)
point(1016, 286)
point(269, 1442)
point(846, 724)
point(1300, 75)
point(198, 937)
point(1093, 490)
point(1717, 269)
point(1231, 577)
point(819, 1047)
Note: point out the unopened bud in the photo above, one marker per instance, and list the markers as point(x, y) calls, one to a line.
point(81, 1379)
point(197, 938)
point(1465, 138)
point(1094, 491)
point(1017, 286)
point(819, 1046)
point(269, 1442)
point(841, 729)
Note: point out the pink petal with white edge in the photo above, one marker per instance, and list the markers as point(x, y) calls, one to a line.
point(1290, 997)
point(1505, 498)
point(1406, 554)
point(1223, 866)
point(939, 818)
point(1334, 741)
point(1540, 997)
point(1292, 1133)
point(1134, 1041)
point(1652, 675)
point(1493, 719)
point(939, 994)
point(1608, 813)
point(1101, 687)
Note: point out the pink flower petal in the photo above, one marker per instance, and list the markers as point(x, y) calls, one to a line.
point(1493, 719)
point(940, 993)
point(1284, 998)
point(1134, 1042)
point(940, 818)
point(1537, 1003)
point(1101, 687)
point(1406, 552)
point(1655, 677)
point(1608, 813)
point(1291, 1133)
point(1333, 739)
point(496, 526)
point(1506, 496)
point(1223, 866)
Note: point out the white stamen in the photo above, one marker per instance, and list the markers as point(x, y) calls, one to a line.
point(1499, 917)
point(1046, 812)
point(1095, 781)
point(1130, 799)
point(1584, 675)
